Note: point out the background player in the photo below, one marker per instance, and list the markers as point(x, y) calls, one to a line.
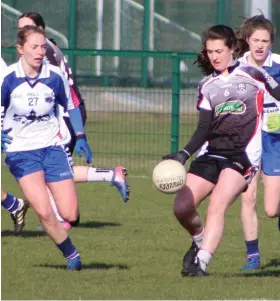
point(16, 206)
point(255, 38)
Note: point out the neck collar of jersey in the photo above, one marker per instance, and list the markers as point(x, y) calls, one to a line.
point(230, 68)
point(267, 62)
point(44, 73)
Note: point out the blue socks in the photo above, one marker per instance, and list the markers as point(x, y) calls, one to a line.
point(252, 248)
point(68, 250)
point(11, 203)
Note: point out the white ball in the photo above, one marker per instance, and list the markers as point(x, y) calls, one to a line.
point(169, 176)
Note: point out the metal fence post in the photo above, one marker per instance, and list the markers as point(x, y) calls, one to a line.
point(72, 33)
point(175, 110)
point(146, 44)
point(220, 11)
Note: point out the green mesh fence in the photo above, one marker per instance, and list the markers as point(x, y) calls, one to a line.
point(128, 124)
point(177, 27)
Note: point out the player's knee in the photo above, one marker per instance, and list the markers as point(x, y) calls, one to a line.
point(271, 212)
point(183, 208)
point(47, 217)
point(249, 198)
point(76, 222)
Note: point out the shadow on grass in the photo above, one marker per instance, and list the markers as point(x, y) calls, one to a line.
point(90, 266)
point(272, 263)
point(25, 233)
point(94, 224)
point(261, 273)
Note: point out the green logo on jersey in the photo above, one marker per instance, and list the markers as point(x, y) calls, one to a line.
point(230, 107)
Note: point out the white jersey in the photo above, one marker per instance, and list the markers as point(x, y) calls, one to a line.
point(31, 107)
point(271, 105)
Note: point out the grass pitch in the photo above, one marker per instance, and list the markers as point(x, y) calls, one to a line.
point(134, 250)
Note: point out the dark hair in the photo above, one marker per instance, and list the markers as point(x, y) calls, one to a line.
point(24, 32)
point(37, 18)
point(246, 29)
point(217, 32)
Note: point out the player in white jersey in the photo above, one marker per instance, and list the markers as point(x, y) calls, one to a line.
point(31, 93)
point(115, 176)
point(255, 39)
point(16, 206)
point(230, 101)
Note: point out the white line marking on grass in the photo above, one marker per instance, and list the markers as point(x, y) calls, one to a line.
point(138, 177)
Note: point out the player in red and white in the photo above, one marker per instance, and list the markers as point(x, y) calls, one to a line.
point(230, 104)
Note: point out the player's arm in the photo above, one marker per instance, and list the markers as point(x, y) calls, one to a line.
point(67, 72)
point(65, 100)
point(5, 100)
point(270, 84)
point(201, 134)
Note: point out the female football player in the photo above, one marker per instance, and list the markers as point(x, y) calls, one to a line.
point(255, 38)
point(31, 92)
point(115, 176)
point(230, 101)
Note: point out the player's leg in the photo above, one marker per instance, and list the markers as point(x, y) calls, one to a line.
point(17, 207)
point(272, 195)
point(187, 200)
point(271, 174)
point(28, 169)
point(116, 176)
point(38, 197)
point(230, 185)
point(59, 179)
point(249, 221)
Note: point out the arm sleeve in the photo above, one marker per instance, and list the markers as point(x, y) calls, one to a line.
point(270, 84)
point(67, 72)
point(201, 134)
point(66, 101)
point(5, 99)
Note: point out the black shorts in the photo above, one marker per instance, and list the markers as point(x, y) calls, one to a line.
point(71, 145)
point(209, 167)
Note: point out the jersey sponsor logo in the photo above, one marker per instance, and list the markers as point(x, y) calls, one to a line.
point(241, 88)
point(32, 117)
point(270, 108)
point(230, 107)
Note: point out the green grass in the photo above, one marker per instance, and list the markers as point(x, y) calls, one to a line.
point(134, 250)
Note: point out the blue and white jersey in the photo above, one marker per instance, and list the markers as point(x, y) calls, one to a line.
point(271, 105)
point(31, 107)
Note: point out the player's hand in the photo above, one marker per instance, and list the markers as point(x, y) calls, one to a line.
point(5, 139)
point(82, 146)
point(180, 156)
point(273, 122)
